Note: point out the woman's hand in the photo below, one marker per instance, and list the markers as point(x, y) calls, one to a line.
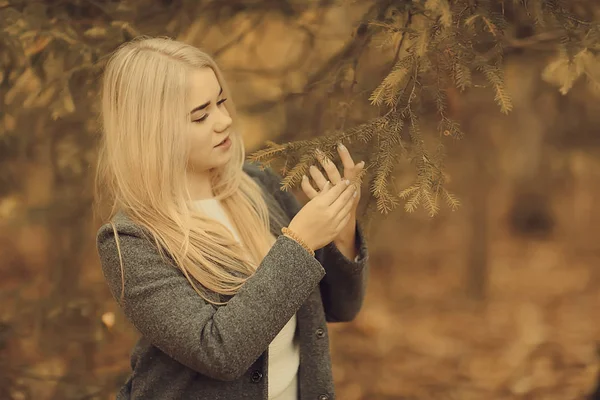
point(351, 173)
point(321, 220)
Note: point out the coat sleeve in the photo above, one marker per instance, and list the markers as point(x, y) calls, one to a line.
point(219, 342)
point(344, 285)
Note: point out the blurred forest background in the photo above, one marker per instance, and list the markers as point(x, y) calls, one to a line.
point(496, 300)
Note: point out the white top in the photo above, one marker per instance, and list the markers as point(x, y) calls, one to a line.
point(284, 350)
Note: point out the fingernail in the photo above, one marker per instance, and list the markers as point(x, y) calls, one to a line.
point(347, 181)
point(341, 146)
point(355, 194)
point(304, 177)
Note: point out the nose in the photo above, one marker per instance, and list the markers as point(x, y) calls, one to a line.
point(223, 120)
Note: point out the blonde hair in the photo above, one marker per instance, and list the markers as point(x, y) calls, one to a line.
point(142, 168)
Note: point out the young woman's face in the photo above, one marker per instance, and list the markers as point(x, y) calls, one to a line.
point(210, 121)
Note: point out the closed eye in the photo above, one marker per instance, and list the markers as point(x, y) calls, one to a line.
point(203, 118)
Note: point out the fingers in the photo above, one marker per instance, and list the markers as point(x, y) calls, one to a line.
point(351, 172)
point(357, 169)
point(329, 167)
point(334, 193)
point(346, 158)
point(344, 215)
point(317, 176)
point(345, 197)
point(307, 188)
point(346, 207)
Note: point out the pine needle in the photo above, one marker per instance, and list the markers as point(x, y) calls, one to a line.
point(462, 76)
point(273, 150)
point(494, 76)
point(451, 200)
point(413, 202)
point(378, 94)
point(408, 191)
point(430, 201)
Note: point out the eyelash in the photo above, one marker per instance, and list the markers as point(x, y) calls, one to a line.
point(203, 118)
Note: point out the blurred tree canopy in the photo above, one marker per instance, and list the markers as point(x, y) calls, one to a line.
point(432, 49)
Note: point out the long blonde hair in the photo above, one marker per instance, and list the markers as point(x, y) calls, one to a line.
point(142, 168)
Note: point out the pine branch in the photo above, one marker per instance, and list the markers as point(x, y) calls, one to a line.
point(494, 76)
point(441, 44)
point(451, 200)
point(365, 132)
point(409, 192)
point(294, 175)
point(430, 201)
point(462, 76)
point(388, 89)
point(386, 160)
point(272, 151)
point(413, 202)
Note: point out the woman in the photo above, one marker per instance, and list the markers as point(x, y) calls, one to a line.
point(228, 307)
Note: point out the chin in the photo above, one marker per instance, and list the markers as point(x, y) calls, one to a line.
point(225, 157)
point(222, 161)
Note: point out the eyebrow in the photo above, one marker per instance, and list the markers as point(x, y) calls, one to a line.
point(203, 106)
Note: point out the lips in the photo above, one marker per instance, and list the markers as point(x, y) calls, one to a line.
point(222, 141)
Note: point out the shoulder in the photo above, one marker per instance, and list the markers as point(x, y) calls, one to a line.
point(122, 224)
point(128, 252)
point(122, 237)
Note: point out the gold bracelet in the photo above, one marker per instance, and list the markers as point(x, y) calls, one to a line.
point(292, 235)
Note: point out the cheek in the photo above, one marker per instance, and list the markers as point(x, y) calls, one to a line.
point(201, 134)
point(200, 144)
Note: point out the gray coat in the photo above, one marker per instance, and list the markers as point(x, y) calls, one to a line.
point(190, 349)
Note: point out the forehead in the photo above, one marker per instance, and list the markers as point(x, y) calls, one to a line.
point(203, 86)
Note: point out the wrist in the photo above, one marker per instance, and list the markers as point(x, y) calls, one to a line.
point(296, 237)
point(295, 233)
point(347, 237)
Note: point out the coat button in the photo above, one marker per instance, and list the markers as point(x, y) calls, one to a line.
point(320, 333)
point(256, 376)
point(323, 397)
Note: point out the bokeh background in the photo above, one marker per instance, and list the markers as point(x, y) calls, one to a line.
point(497, 300)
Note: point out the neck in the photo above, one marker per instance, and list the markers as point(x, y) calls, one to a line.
point(199, 185)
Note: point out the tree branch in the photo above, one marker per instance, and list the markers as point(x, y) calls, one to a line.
point(353, 49)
